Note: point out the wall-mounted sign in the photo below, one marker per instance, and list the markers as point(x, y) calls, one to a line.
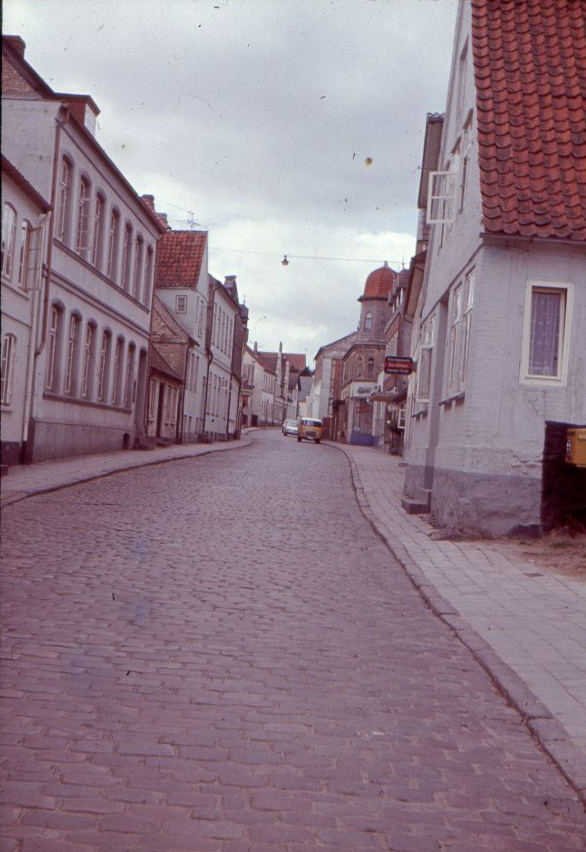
point(399, 366)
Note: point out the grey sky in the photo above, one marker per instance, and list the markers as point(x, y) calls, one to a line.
point(258, 116)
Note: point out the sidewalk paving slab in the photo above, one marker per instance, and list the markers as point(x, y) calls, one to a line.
point(526, 628)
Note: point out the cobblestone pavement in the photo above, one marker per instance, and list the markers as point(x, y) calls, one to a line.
point(219, 655)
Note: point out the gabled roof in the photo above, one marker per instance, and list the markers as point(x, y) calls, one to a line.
point(268, 361)
point(295, 359)
point(159, 365)
point(179, 258)
point(173, 328)
point(29, 190)
point(530, 71)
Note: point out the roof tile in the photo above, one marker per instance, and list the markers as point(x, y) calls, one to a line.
point(530, 71)
point(179, 258)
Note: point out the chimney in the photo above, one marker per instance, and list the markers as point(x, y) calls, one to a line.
point(149, 200)
point(255, 347)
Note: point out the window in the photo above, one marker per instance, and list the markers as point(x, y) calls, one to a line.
point(128, 393)
point(368, 321)
point(104, 366)
point(83, 217)
point(454, 338)
point(126, 257)
point(181, 304)
point(466, 322)
point(425, 359)
point(98, 243)
point(118, 352)
point(152, 398)
point(440, 197)
point(53, 348)
point(8, 238)
point(88, 356)
point(200, 319)
point(64, 199)
point(148, 274)
point(71, 362)
point(113, 235)
point(23, 262)
point(546, 333)
point(138, 250)
point(8, 363)
point(370, 368)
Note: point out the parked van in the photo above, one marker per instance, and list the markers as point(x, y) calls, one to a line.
point(310, 429)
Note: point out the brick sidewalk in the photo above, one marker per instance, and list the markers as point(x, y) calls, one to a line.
point(26, 480)
point(527, 629)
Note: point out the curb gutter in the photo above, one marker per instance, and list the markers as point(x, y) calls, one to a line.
point(545, 729)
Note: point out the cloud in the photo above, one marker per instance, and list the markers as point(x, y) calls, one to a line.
point(259, 116)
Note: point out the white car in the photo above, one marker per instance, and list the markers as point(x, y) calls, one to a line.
point(289, 427)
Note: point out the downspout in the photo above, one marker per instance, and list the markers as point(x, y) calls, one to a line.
point(30, 377)
point(47, 274)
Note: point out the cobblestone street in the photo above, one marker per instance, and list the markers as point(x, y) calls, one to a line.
point(218, 654)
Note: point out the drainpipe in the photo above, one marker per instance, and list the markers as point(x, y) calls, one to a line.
point(30, 377)
point(47, 274)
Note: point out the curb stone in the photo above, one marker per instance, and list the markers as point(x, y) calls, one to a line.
point(545, 729)
point(18, 496)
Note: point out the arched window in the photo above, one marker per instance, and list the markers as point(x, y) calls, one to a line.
point(148, 274)
point(117, 372)
point(370, 368)
point(8, 239)
point(129, 389)
point(83, 217)
point(64, 199)
point(23, 261)
point(53, 348)
point(359, 367)
point(98, 241)
point(126, 257)
point(8, 363)
point(89, 344)
point(368, 321)
point(72, 354)
point(138, 250)
point(104, 366)
point(113, 237)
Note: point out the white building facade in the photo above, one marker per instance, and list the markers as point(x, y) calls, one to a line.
point(90, 358)
point(500, 328)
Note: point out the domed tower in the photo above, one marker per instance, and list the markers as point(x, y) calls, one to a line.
point(375, 311)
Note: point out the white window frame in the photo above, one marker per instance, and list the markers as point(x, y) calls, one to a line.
point(97, 246)
point(441, 195)
point(425, 360)
point(8, 239)
point(105, 350)
point(88, 351)
point(8, 364)
point(53, 348)
point(26, 231)
point(83, 217)
point(180, 304)
point(567, 292)
point(72, 347)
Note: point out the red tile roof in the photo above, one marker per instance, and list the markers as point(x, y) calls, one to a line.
point(179, 258)
point(530, 70)
point(379, 283)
